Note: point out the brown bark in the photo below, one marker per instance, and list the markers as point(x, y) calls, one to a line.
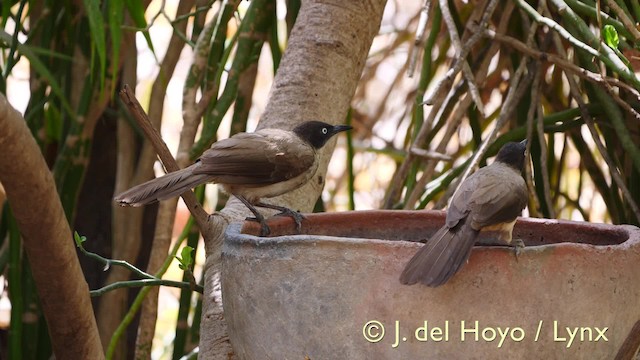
point(167, 209)
point(126, 227)
point(316, 79)
point(47, 240)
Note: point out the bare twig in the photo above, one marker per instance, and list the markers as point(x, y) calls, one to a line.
point(161, 148)
point(559, 61)
point(516, 90)
point(452, 126)
point(400, 174)
point(146, 282)
point(419, 41)
point(557, 27)
point(192, 110)
point(515, 93)
point(535, 98)
point(440, 104)
point(622, 15)
point(546, 185)
point(430, 154)
point(604, 54)
point(460, 56)
point(577, 96)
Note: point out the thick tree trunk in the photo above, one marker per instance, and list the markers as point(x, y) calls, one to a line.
point(47, 240)
point(316, 80)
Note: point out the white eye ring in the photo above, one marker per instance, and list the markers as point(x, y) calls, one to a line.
point(325, 131)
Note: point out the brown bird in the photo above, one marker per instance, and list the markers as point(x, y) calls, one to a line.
point(490, 200)
point(250, 166)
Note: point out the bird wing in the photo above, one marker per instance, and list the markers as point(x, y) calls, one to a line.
point(490, 196)
point(258, 158)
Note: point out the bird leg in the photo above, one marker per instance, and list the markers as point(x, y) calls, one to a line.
point(518, 245)
point(500, 239)
point(264, 228)
point(284, 211)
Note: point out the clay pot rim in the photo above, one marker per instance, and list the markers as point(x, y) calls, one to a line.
point(244, 232)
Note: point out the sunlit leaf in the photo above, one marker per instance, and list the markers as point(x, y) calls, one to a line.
point(610, 36)
point(78, 238)
point(136, 10)
point(186, 259)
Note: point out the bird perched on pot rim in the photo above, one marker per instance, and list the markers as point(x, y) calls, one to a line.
point(489, 200)
point(250, 166)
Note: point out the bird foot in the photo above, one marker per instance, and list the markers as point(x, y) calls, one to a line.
point(285, 211)
point(264, 228)
point(295, 215)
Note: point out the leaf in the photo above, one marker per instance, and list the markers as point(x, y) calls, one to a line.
point(610, 36)
point(186, 260)
point(137, 15)
point(36, 50)
point(96, 26)
point(116, 18)
point(79, 239)
point(53, 124)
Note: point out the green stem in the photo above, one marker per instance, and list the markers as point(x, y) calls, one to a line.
point(426, 75)
point(256, 21)
point(146, 282)
point(351, 189)
point(613, 114)
point(274, 41)
point(13, 45)
point(441, 183)
point(586, 10)
point(137, 303)
point(605, 54)
point(110, 262)
point(182, 327)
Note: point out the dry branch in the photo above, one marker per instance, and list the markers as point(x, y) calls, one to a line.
point(128, 97)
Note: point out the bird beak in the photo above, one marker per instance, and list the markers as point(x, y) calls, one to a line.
point(341, 128)
point(523, 142)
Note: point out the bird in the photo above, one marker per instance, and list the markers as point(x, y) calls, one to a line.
point(488, 201)
point(250, 166)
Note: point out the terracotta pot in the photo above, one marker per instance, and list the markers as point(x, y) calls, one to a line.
point(329, 295)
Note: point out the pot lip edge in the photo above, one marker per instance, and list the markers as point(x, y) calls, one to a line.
point(233, 235)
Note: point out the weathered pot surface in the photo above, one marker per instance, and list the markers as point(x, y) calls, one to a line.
point(574, 292)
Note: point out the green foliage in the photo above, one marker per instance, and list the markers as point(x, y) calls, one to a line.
point(257, 20)
point(75, 51)
point(610, 36)
point(79, 239)
point(185, 260)
point(99, 43)
point(539, 109)
point(136, 10)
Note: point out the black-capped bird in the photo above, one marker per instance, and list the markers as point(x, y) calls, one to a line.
point(489, 200)
point(250, 166)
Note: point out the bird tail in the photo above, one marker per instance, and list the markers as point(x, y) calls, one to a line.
point(162, 188)
point(441, 257)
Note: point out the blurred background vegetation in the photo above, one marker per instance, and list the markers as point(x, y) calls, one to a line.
point(445, 85)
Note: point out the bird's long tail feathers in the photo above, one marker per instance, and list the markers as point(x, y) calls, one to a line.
point(441, 257)
point(162, 188)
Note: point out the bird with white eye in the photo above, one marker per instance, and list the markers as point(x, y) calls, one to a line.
point(249, 166)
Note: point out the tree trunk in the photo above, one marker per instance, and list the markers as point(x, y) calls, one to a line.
point(316, 80)
point(47, 240)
